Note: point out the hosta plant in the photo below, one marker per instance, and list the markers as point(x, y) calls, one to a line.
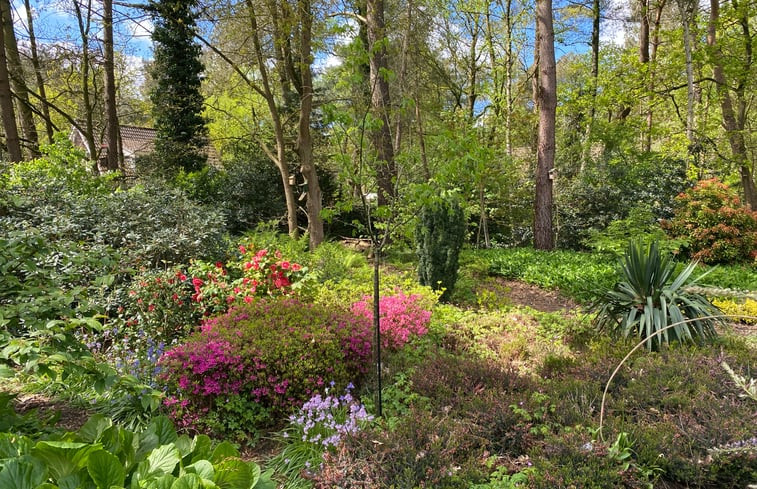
point(653, 304)
point(102, 455)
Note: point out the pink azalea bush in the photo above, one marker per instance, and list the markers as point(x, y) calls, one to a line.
point(266, 357)
point(402, 317)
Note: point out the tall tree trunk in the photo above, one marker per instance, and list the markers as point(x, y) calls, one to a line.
point(734, 126)
point(421, 139)
point(304, 139)
point(18, 79)
point(595, 11)
point(386, 170)
point(687, 9)
point(402, 75)
point(49, 128)
point(547, 97)
point(84, 31)
point(111, 108)
point(12, 143)
point(647, 141)
point(473, 68)
point(509, 65)
point(278, 129)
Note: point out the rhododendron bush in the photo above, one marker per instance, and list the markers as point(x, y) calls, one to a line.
point(163, 307)
point(254, 273)
point(402, 317)
point(268, 355)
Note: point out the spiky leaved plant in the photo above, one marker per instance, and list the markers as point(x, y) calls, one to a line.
point(649, 299)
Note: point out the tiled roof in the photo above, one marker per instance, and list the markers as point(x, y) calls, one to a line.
point(137, 141)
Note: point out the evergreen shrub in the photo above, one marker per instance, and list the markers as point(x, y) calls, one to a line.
point(439, 236)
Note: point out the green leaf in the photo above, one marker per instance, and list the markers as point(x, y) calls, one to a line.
point(6, 372)
point(163, 460)
point(202, 445)
point(223, 451)
point(63, 458)
point(233, 474)
point(19, 475)
point(187, 481)
point(94, 428)
point(164, 429)
point(106, 470)
point(203, 468)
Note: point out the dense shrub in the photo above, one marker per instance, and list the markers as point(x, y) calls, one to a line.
point(744, 311)
point(247, 189)
point(260, 360)
point(402, 317)
point(608, 191)
point(439, 235)
point(252, 273)
point(149, 226)
point(43, 280)
point(718, 228)
point(640, 225)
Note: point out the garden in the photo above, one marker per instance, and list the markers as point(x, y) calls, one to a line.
point(145, 345)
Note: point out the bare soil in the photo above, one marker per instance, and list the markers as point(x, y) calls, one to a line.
point(523, 294)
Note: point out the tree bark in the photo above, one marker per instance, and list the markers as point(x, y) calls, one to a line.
point(687, 9)
point(111, 108)
point(12, 143)
point(304, 139)
point(386, 170)
point(596, 11)
point(647, 138)
point(84, 31)
point(734, 126)
point(278, 129)
point(547, 98)
point(16, 73)
point(49, 128)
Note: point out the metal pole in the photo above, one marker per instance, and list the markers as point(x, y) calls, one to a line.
point(377, 322)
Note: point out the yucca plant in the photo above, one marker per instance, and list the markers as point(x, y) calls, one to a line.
point(649, 299)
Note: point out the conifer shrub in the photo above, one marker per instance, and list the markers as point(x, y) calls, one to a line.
point(717, 226)
point(258, 361)
point(439, 236)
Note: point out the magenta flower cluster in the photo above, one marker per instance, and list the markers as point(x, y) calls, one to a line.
point(402, 317)
point(273, 353)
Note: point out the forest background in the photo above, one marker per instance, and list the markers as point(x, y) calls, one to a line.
point(314, 105)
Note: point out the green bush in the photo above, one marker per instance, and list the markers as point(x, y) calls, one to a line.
point(104, 455)
point(260, 360)
point(718, 228)
point(640, 225)
point(439, 236)
point(649, 299)
point(606, 192)
point(62, 169)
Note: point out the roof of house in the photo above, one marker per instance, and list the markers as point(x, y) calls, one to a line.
point(137, 141)
point(140, 141)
